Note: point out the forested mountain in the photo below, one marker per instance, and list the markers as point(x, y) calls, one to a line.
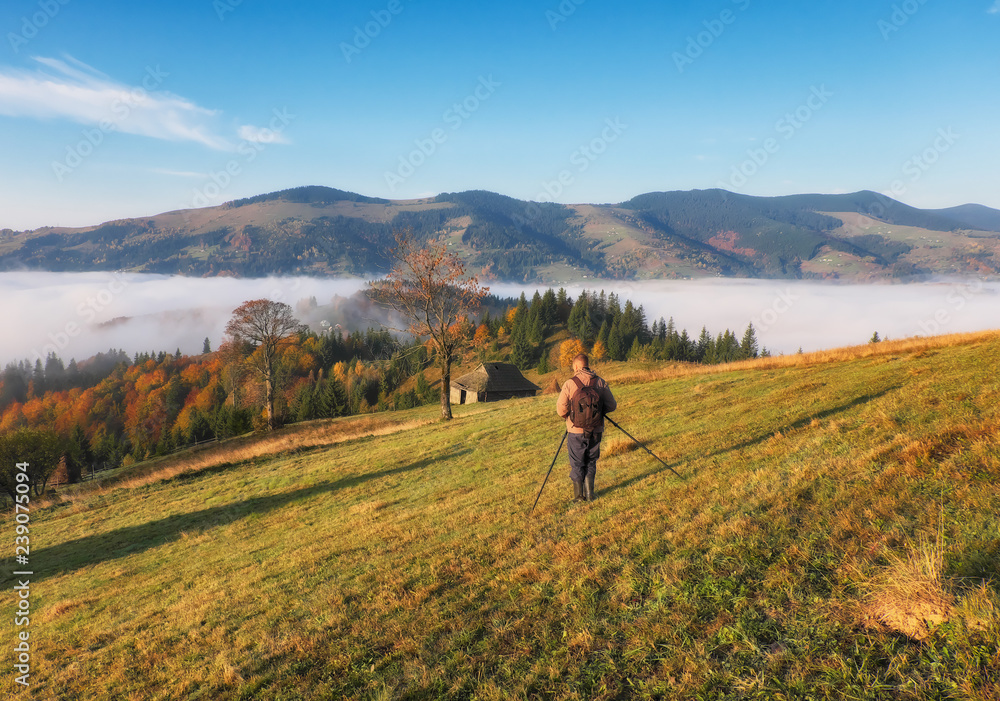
point(682, 234)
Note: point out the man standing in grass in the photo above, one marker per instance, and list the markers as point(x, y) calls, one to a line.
point(584, 400)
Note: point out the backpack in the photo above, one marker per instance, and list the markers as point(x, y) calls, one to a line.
point(586, 409)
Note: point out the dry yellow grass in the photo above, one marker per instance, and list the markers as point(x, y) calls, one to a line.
point(618, 446)
point(910, 596)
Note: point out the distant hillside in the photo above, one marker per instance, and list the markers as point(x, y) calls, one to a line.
point(972, 216)
point(683, 234)
point(874, 205)
point(308, 195)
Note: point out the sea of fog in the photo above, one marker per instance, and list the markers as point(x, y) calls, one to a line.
point(80, 314)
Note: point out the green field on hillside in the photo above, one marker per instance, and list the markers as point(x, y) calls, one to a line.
point(834, 536)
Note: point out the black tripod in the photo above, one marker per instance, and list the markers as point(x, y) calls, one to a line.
point(613, 423)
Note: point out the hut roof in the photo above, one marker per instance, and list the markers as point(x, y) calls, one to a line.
point(495, 377)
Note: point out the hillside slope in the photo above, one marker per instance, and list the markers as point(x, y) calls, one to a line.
point(815, 491)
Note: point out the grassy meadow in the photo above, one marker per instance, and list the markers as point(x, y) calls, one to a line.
point(835, 536)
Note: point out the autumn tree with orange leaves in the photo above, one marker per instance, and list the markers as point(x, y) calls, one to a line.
point(261, 326)
point(428, 287)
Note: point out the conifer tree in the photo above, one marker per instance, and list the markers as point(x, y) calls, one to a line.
point(579, 318)
point(614, 308)
point(628, 325)
point(599, 308)
point(642, 328)
point(602, 335)
point(543, 364)
point(705, 347)
point(685, 348)
point(616, 345)
point(78, 454)
point(635, 352)
point(424, 388)
point(520, 315)
point(550, 308)
point(564, 304)
point(748, 346)
point(537, 334)
point(536, 302)
point(334, 401)
point(520, 350)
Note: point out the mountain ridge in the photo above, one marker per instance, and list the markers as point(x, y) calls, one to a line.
point(319, 230)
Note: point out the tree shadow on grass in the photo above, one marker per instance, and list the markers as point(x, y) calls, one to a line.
point(801, 423)
point(103, 547)
point(805, 421)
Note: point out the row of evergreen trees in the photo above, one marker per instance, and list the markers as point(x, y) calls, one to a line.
point(613, 330)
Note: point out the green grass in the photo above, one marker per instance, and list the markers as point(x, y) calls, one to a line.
point(403, 566)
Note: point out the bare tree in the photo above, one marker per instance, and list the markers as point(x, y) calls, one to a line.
point(262, 325)
point(429, 289)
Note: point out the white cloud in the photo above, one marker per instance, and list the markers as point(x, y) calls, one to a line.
point(262, 135)
point(179, 173)
point(995, 9)
point(70, 89)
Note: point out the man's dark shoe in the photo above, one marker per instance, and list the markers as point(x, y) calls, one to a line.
point(590, 487)
point(578, 493)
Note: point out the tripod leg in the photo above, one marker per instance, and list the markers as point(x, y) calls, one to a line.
point(548, 473)
point(642, 446)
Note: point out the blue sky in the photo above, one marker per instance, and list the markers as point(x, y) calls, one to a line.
point(120, 109)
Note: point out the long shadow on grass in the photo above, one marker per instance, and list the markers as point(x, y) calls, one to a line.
point(801, 423)
point(805, 421)
point(93, 549)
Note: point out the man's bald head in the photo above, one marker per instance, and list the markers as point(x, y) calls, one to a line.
point(581, 361)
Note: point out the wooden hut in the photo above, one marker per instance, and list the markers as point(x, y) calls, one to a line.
point(491, 382)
